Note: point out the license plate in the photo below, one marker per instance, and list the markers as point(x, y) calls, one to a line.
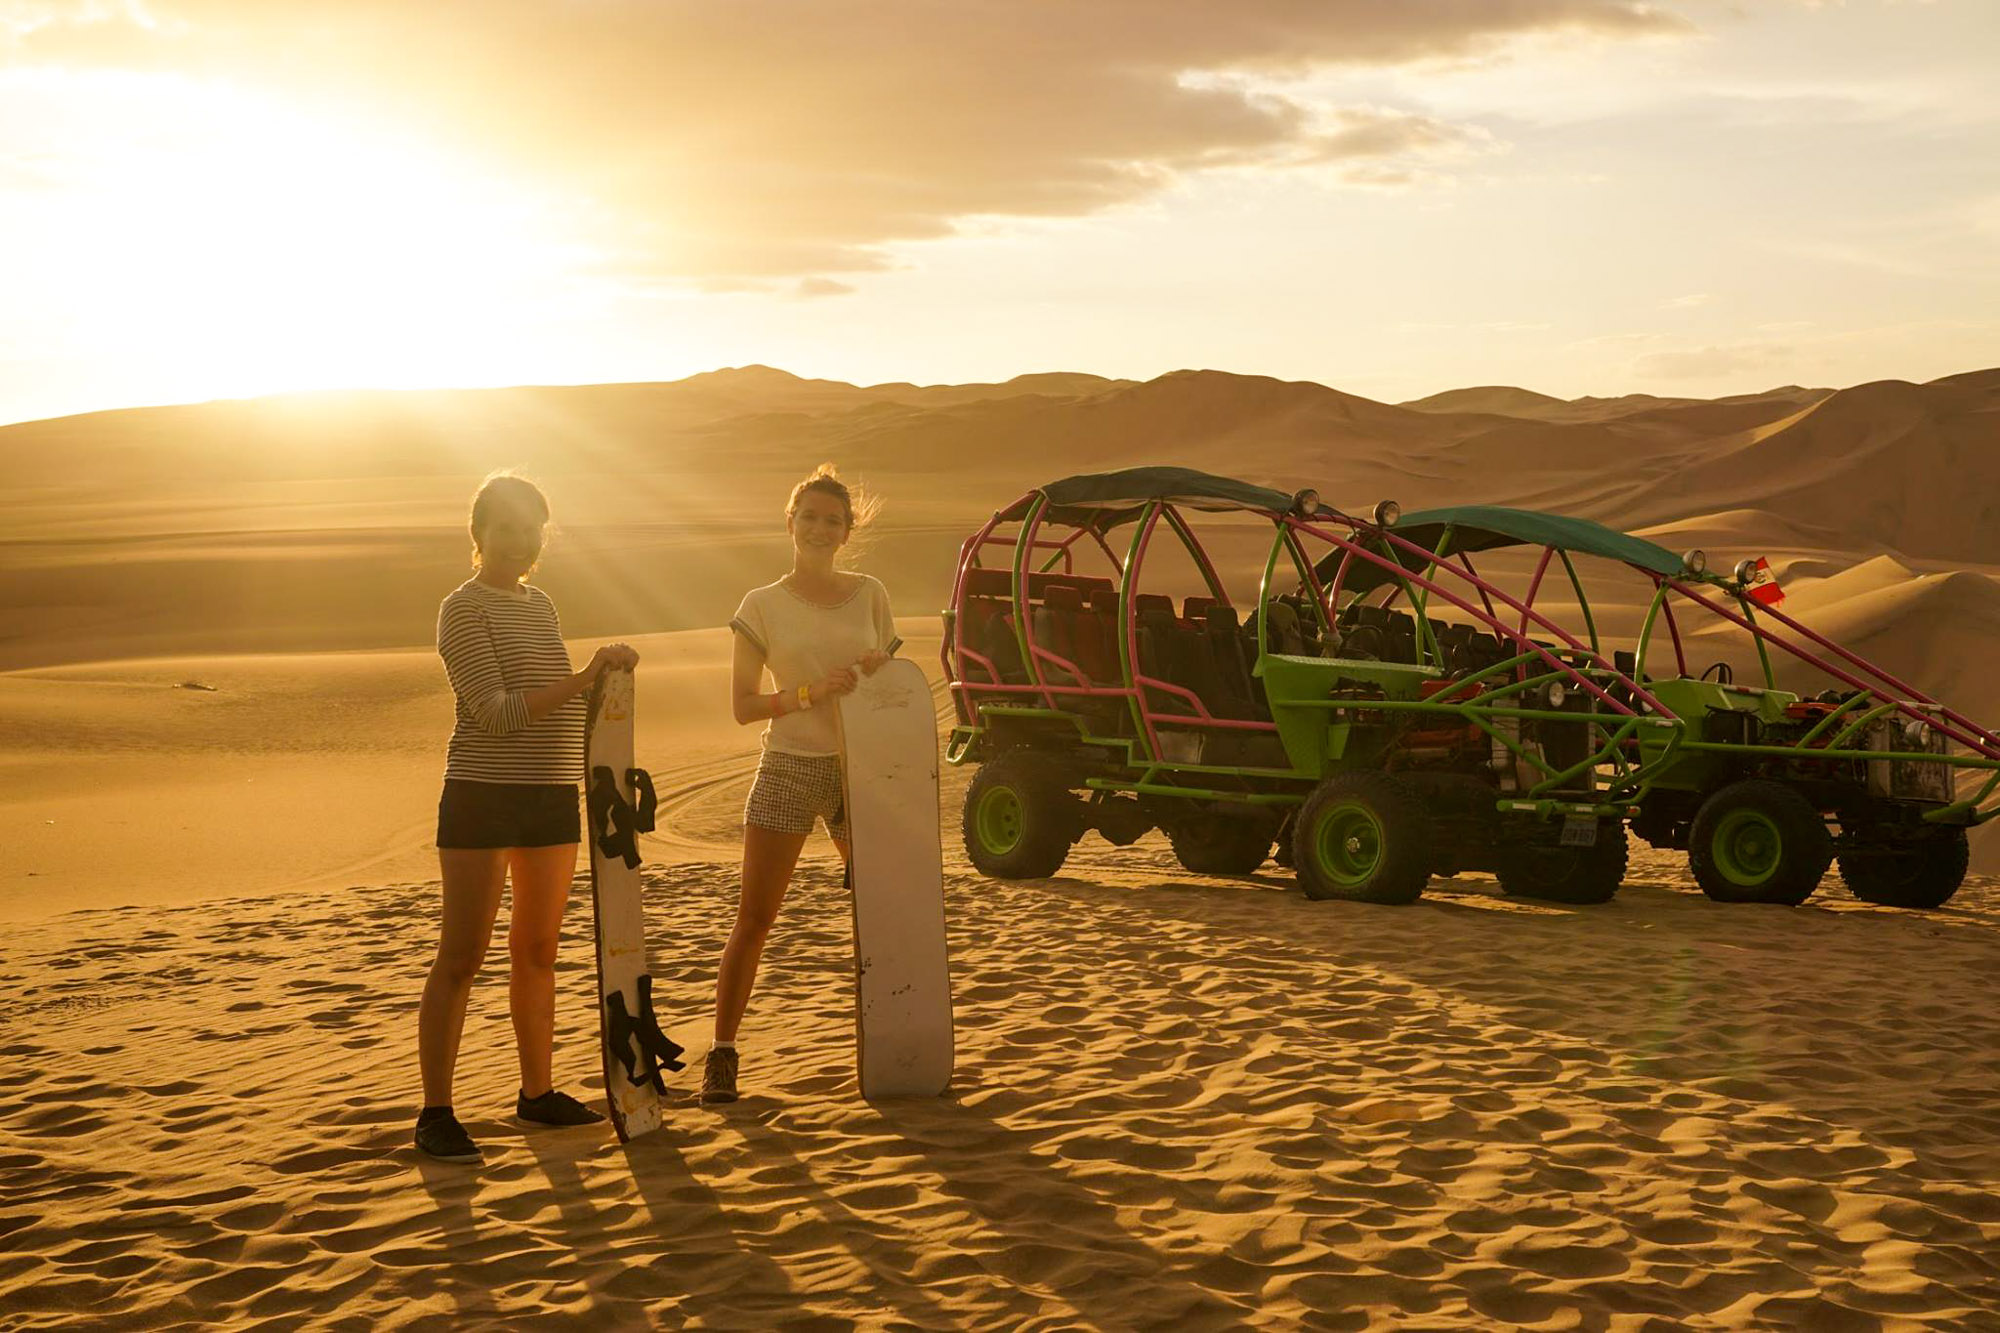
point(1579, 831)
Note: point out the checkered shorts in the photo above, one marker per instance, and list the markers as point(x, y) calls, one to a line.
point(792, 790)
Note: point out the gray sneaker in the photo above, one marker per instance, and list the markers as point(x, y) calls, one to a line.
point(554, 1108)
point(718, 1075)
point(443, 1139)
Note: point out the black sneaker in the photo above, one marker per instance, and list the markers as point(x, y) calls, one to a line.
point(718, 1075)
point(443, 1139)
point(554, 1108)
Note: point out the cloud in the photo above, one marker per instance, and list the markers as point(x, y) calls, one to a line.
point(1709, 362)
point(1629, 339)
point(21, 19)
point(810, 287)
point(755, 139)
point(1688, 302)
point(1379, 146)
point(1488, 326)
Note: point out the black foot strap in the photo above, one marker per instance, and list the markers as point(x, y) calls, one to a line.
point(637, 1040)
point(614, 825)
point(659, 1046)
point(642, 788)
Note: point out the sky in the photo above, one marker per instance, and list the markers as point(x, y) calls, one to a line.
point(221, 198)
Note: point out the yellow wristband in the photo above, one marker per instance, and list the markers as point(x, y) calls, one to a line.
point(805, 696)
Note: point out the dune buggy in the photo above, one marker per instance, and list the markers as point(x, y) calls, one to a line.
point(1378, 745)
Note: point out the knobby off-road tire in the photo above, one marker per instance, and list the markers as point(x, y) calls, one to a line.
point(1220, 845)
point(1363, 837)
point(1020, 820)
point(1923, 875)
point(1574, 875)
point(1758, 842)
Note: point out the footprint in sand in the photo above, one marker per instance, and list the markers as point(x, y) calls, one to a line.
point(1386, 1110)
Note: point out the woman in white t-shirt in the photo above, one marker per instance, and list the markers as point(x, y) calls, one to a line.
point(816, 631)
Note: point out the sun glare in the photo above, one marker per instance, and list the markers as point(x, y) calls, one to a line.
point(237, 246)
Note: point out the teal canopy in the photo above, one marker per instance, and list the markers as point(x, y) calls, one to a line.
point(1485, 527)
point(1105, 499)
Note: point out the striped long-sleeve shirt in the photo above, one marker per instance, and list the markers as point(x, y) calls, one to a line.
point(496, 646)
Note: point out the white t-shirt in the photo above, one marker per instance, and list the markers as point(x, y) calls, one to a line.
point(802, 641)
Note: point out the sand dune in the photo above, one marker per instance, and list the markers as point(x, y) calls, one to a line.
point(1491, 399)
point(424, 432)
point(1906, 465)
point(1507, 401)
point(1909, 465)
point(1892, 463)
point(1731, 534)
point(1940, 626)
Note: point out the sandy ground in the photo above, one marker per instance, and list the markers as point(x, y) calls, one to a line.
point(1180, 1102)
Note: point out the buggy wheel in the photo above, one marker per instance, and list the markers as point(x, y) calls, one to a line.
point(1364, 837)
point(1020, 820)
point(1758, 842)
point(1922, 874)
point(1567, 874)
point(1220, 844)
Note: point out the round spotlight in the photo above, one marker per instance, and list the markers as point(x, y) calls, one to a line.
point(1915, 734)
point(1557, 694)
point(1694, 560)
point(1746, 569)
point(1305, 502)
point(1386, 513)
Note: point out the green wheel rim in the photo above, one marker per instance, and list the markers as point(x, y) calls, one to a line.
point(998, 820)
point(1348, 843)
point(1748, 845)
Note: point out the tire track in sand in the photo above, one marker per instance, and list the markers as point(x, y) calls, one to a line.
point(697, 802)
point(699, 811)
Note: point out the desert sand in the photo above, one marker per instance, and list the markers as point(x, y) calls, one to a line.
point(1180, 1102)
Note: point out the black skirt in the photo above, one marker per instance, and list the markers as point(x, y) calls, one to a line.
point(508, 814)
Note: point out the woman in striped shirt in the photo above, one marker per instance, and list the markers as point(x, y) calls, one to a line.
point(509, 807)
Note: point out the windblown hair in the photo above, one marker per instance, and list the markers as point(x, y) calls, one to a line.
point(860, 506)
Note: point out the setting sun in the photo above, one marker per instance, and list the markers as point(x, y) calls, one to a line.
point(236, 244)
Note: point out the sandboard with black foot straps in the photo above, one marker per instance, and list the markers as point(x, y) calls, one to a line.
point(620, 800)
point(889, 771)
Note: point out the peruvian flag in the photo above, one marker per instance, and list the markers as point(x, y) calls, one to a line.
point(1762, 588)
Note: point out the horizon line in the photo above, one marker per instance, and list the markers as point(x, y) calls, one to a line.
point(386, 390)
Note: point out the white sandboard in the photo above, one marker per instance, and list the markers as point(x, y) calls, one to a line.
point(620, 803)
point(902, 979)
